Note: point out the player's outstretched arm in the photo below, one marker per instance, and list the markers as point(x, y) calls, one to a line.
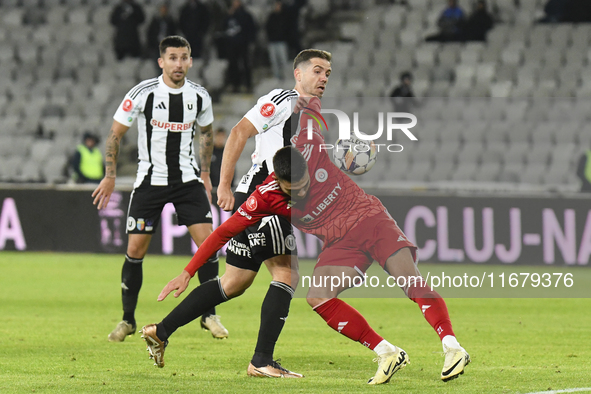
point(205, 153)
point(179, 284)
point(102, 194)
point(232, 151)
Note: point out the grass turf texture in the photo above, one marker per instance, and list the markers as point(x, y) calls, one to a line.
point(57, 310)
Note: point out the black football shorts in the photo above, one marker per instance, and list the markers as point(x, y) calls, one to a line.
point(272, 236)
point(146, 203)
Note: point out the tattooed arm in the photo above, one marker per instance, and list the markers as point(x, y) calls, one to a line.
point(103, 192)
point(205, 152)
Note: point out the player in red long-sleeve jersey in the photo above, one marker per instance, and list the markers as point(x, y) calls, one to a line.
point(319, 199)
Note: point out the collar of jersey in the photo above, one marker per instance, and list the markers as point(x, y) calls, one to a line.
point(168, 88)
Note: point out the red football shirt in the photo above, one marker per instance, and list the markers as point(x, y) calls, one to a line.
point(335, 204)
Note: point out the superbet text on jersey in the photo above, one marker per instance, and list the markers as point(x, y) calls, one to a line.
point(167, 119)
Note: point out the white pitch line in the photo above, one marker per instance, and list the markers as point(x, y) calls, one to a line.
point(579, 389)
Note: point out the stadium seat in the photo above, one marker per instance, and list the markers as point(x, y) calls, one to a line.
point(488, 172)
point(29, 172)
point(214, 74)
point(78, 16)
point(512, 55)
point(442, 170)
point(12, 168)
point(419, 171)
point(56, 15)
point(532, 174)
point(464, 173)
point(12, 17)
point(469, 153)
point(511, 172)
point(393, 17)
point(501, 89)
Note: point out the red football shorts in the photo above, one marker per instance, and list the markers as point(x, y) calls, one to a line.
point(375, 238)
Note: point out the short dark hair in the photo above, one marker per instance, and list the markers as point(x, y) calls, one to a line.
point(405, 75)
point(173, 42)
point(308, 54)
point(289, 164)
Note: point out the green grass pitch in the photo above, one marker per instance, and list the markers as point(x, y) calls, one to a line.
point(57, 310)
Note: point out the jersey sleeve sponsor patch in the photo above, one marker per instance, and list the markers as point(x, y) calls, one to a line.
point(251, 203)
point(268, 110)
point(127, 105)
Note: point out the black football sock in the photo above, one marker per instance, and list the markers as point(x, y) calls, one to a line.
point(207, 272)
point(201, 299)
point(274, 311)
point(131, 283)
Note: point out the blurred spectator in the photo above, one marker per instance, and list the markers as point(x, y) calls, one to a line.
point(571, 11)
point(194, 22)
point(292, 9)
point(240, 33)
point(277, 33)
point(450, 23)
point(35, 14)
point(219, 142)
point(404, 97)
point(584, 171)
point(162, 25)
point(554, 11)
point(478, 23)
point(87, 161)
point(127, 16)
point(219, 13)
point(578, 11)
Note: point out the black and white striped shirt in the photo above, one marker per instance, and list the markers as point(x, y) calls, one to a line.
point(273, 118)
point(167, 120)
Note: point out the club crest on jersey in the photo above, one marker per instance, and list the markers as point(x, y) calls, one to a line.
point(190, 105)
point(321, 175)
point(251, 203)
point(267, 110)
point(127, 105)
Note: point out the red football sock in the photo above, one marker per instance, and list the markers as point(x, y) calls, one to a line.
point(433, 307)
point(345, 319)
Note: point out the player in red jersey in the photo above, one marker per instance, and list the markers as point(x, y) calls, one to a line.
point(355, 227)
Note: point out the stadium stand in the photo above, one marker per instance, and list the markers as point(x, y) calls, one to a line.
point(510, 113)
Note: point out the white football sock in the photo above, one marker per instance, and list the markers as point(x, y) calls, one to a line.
point(384, 347)
point(451, 342)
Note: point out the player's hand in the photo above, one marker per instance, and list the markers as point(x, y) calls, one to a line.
point(207, 183)
point(102, 193)
point(179, 284)
point(301, 103)
point(225, 198)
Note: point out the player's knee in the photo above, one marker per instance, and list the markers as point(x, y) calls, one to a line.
point(314, 302)
point(234, 287)
point(136, 251)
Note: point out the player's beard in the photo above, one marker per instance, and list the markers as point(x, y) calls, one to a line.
point(177, 76)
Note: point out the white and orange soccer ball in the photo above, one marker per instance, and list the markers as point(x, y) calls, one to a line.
point(355, 156)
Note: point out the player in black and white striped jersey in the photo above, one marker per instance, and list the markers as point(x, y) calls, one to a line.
point(168, 110)
point(273, 122)
point(270, 241)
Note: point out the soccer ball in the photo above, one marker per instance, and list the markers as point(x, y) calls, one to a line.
point(355, 156)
